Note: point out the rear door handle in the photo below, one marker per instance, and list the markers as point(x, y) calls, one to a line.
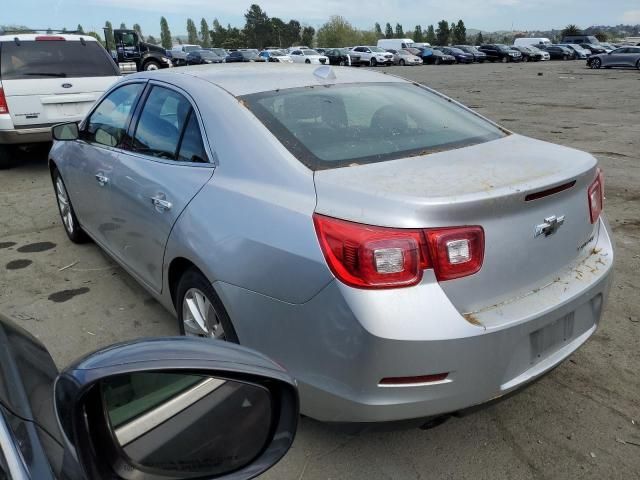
point(102, 180)
point(161, 204)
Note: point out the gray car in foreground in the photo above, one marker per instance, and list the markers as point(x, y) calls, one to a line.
point(402, 257)
point(621, 57)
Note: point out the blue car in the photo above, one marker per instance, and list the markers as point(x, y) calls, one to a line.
point(460, 55)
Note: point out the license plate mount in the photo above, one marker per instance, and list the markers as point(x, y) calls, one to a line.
point(551, 337)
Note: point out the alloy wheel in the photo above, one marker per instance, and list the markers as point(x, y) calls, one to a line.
point(200, 317)
point(596, 63)
point(65, 206)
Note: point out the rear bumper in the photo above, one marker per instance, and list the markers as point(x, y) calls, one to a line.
point(26, 135)
point(341, 343)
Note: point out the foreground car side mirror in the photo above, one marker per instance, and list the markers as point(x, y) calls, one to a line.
point(172, 408)
point(65, 131)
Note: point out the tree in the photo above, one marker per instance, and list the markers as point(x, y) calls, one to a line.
point(388, 31)
point(292, 33)
point(479, 39)
point(460, 33)
point(571, 29)
point(96, 36)
point(152, 40)
point(278, 29)
point(123, 26)
point(108, 34)
point(307, 36)
point(257, 29)
point(378, 30)
point(192, 33)
point(430, 37)
point(204, 34)
point(138, 29)
point(165, 34)
point(337, 32)
point(443, 33)
point(399, 31)
point(601, 36)
point(79, 29)
point(417, 34)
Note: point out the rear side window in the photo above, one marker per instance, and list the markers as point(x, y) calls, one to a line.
point(339, 125)
point(55, 58)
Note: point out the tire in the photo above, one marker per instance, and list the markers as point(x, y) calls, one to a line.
point(436, 61)
point(307, 61)
point(401, 63)
point(341, 63)
point(525, 59)
point(596, 63)
point(152, 65)
point(638, 64)
point(565, 57)
point(7, 159)
point(504, 59)
point(194, 293)
point(67, 213)
point(373, 62)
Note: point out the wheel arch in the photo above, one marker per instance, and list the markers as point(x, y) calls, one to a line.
point(177, 268)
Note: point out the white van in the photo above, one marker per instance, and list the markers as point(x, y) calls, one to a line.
point(48, 79)
point(395, 43)
point(525, 42)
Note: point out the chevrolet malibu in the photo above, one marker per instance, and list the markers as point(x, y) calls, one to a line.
point(403, 257)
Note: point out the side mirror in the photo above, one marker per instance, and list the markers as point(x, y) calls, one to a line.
point(65, 131)
point(171, 408)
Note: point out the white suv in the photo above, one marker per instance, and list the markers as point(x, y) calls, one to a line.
point(374, 56)
point(48, 79)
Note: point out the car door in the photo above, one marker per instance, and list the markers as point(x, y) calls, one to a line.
point(632, 57)
point(91, 160)
point(167, 163)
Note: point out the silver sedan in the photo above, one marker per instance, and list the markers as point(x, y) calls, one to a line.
point(620, 57)
point(402, 257)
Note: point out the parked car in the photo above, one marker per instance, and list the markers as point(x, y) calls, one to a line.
point(404, 57)
point(341, 56)
point(529, 54)
point(478, 56)
point(578, 51)
point(395, 43)
point(44, 80)
point(435, 57)
point(221, 52)
point(497, 52)
point(275, 56)
point(608, 46)
point(593, 48)
point(202, 57)
point(178, 53)
point(580, 39)
point(460, 55)
point(545, 55)
point(527, 41)
point(373, 56)
point(621, 57)
point(243, 56)
point(140, 406)
point(557, 52)
point(350, 210)
point(308, 55)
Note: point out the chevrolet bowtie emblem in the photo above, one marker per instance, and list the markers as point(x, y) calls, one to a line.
point(550, 226)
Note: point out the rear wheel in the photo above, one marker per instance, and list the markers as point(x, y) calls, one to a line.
point(504, 60)
point(373, 62)
point(596, 63)
point(437, 61)
point(67, 213)
point(638, 64)
point(151, 65)
point(200, 311)
point(6, 157)
point(525, 59)
point(307, 61)
point(342, 64)
point(565, 57)
point(401, 62)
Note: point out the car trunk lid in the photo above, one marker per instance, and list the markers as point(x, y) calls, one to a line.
point(484, 185)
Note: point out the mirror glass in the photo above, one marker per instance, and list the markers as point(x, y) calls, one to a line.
point(65, 131)
point(188, 423)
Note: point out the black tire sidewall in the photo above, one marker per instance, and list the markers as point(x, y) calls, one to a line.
point(78, 235)
point(193, 278)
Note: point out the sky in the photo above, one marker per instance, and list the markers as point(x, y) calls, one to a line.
point(490, 15)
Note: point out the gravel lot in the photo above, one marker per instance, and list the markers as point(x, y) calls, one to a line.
point(578, 422)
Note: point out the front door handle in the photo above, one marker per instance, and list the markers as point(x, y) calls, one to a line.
point(102, 180)
point(161, 204)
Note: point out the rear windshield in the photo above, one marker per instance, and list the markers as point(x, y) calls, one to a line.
point(337, 125)
point(54, 58)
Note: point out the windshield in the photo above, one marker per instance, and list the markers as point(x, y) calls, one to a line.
point(249, 54)
point(205, 54)
point(377, 50)
point(310, 52)
point(276, 53)
point(340, 125)
point(55, 58)
point(191, 48)
point(219, 51)
point(502, 48)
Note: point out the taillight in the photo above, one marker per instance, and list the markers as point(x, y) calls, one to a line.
point(366, 256)
point(596, 196)
point(4, 108)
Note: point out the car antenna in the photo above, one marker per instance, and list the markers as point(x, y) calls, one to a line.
point(325, 72)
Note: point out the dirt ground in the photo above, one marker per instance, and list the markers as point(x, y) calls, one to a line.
point(581, 421)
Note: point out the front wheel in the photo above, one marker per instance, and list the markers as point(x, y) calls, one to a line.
point(504, 60)
point(638, 64)
point(200, 310)
point(151, 65)
point(525, 59)
point(307, 61)
point(596, 63)
point(341, 64)
point(373, 62)
point(67, 213)
point(401, 62)
point(436, 61)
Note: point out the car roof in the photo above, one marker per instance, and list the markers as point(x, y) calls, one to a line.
point(25, 37)
point(241, 80)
